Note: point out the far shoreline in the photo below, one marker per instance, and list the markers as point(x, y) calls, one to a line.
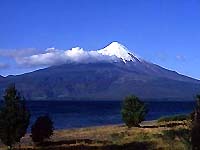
point(144, 100)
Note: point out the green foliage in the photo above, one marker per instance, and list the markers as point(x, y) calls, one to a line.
point(14, 117)
point(117, 137)
point(181, 134)
point(173, 118)
point(42, 129)
point(195, 133)
point(133, 111)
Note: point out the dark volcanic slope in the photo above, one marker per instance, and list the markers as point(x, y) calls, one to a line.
point(104, 81)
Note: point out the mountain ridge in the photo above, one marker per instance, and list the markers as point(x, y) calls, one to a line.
point(100, 81)
point(104, 80)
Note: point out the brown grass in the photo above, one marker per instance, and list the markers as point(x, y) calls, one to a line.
point(150, 136)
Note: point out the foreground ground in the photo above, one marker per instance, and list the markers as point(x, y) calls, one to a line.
point(151, 135)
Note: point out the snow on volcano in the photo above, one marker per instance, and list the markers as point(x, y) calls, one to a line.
point(112, 53)
point(118, 50)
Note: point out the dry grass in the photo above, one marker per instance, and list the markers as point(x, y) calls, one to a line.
point(151, 135)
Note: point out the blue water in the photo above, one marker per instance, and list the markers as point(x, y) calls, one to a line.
point(76, 114)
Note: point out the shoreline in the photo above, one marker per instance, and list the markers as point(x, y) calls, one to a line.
point(143, 123)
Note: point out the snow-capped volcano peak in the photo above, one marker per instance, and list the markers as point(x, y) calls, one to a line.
point(114, 52)
point(118, 50)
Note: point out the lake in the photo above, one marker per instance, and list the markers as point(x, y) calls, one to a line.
point(76, 114)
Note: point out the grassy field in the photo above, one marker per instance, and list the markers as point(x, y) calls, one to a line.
point(153, 135)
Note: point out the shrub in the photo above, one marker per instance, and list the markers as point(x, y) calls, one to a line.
point(42, 129)
point(133, 111)
point(173, 118)
point(181, 134)
point(195, 132)
point(14, 117)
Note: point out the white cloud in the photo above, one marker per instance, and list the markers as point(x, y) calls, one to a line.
point(181, 57)
point(34, 58)
point(46, 59)
point(52, 56)
point(3, 66)
point(16, 53)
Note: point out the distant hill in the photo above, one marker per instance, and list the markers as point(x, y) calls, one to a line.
point(1, 78)
point(105, 80)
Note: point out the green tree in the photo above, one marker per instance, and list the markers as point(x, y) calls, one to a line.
point(42, 129)
point(133, 111)
point(195, 132)
point(14, 117)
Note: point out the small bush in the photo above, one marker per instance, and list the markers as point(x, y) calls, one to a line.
point(42, 129)
point(182, 135)
point(133, 111)
point(173, 118)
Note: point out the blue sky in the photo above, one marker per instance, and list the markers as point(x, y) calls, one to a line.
point(165, 32)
